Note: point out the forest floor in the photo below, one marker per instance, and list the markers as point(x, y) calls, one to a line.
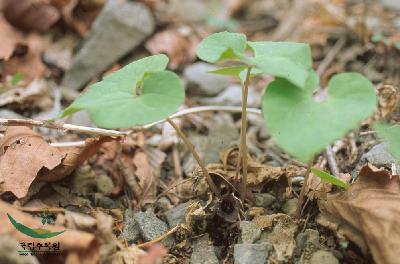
point(141, 198)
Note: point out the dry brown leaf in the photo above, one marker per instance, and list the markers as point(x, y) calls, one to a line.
point(25, 153)
point(8, 44)
point(266, 221)
point(29, 62)
point(37, 89)
point(372, 207)
point(83, 247)
point(31, 14)
point(26, 156)
point(178, 43)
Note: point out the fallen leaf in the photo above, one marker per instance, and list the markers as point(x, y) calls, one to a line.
point(8, 44)
point(80, 246)
point(20, 162)
point(178, 43)
point(372, 207)
point(31, 14)
point(28, 63)
point(25, 156)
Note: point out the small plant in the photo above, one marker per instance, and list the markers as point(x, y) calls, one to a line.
point(144, 92)
point(326, 177)
point(299, 123)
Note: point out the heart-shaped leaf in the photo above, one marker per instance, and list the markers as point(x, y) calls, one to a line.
point(302, 126)
point(140, 93)
point(390, 134)
point(221, 46)
point(288, 60)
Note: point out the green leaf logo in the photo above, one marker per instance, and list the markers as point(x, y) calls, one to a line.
point(302, 126)
point(140, 93)
point(35, 233)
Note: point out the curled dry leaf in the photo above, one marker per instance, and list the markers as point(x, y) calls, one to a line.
point(26, 156)
point(178, 43)
point(372, 207)
point(31, 14)
point(79, 246)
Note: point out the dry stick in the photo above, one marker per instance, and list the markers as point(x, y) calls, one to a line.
point(243, 133)
point(303, 188)
point(158, 239)
point(196, 156)
point(320, 70)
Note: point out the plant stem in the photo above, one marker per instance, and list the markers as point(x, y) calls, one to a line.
point(304, 188)
point(196, 156)
point(243, 135)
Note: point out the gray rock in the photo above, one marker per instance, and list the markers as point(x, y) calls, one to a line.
point(106, 202)
point(290, 206)
point(249, 232)
point(120, 27)
point(163, 204)
point(323, 256)
point(308, 236)
point(203, 252)
point(9, 252)
point(200, 82)
point(177, 214)
point(151, 227)
point(264, 199)
point(232, 96)
point(131, 231)
point(251, 253)
point(391, 4)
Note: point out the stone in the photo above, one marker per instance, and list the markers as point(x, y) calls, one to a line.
point(203, 251)
point(177, 214)
point(308, 236)
point(119, 28)
point(290, 207)
point(131, 231)
point(201, 82)
point(263, 199)
point(106, 202)
point(251, 253)
point(152, 227)
point(163, 204)
point(232, 96)
point(249, 232)
point(323, 256)
point(8, 114)
point(391, 4)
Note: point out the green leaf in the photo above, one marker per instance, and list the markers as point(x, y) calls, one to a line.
point(391, 135)
point(330, 178)
point(288, 60)
point(283, 67)
point(302, 126)
point(233, 70)
point(114, 102)
point(221, 46)
point(299, 53)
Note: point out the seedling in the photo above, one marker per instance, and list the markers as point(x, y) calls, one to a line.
point(299, 123)
point(326, 177)
point(140, 93)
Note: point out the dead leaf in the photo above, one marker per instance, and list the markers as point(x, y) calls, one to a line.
point(8, 44)
point(372, 207)
point(29, 62)
point(21, 161)
point(26, 156)
point(266, 221)
point(31, 14)
point(178, 43)
point(81, 246)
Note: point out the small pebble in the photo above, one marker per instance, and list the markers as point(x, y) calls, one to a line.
point(323, 256)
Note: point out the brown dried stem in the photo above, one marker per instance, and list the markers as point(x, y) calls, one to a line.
point(304, 188)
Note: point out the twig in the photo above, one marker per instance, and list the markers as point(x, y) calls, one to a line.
point(304, 188)
point(114, 133)
point(331, 56)
point(243, 133)
point(160, 238)
point(196, 156)
point(62, 126)
point(332, 161)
